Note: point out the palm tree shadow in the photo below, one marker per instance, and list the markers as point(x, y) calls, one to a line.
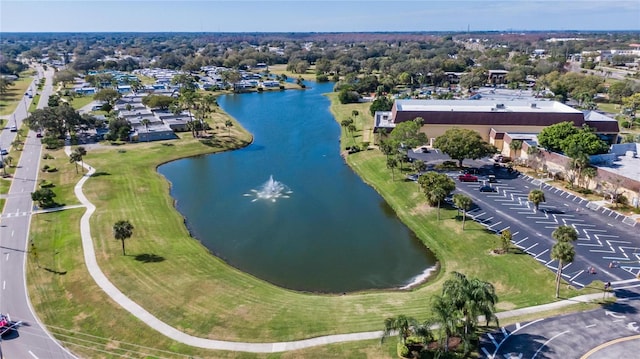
point(100, 173)
point(149, 258)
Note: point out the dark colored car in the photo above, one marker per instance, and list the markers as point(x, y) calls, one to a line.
point(487, 189)
point(468, 178)
point(39, 134)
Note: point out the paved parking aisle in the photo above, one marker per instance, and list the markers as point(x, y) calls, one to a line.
point(607, 249)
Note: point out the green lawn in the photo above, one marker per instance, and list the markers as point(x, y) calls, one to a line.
point(15, 93)
point(174, 277)
point(609, 107)
point(80, 101)
point(34, 103)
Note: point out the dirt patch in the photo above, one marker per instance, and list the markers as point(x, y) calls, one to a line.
point(422, 208)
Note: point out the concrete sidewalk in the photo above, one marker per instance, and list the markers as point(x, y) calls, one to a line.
point(163, 328)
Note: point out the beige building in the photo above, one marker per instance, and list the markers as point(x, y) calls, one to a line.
point(498, 123)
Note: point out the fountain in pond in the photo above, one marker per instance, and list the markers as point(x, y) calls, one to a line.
point(270, 190)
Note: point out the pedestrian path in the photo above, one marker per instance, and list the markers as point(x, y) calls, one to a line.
point(143, 315)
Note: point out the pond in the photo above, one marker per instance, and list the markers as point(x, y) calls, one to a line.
point(287, 209)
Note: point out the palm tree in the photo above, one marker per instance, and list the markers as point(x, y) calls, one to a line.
point(402, 324)
point(445, 318)
point(464, 203)
point(228, 124)
point(565, 234)
point(74, 158)
point(145, 122)
point(472, 297)
point(122, 230)
point(419, 166)
point(515, 146)
point(437, 194)
point(82, 152)
point(563, 252)
point(589, 174)
point(392, 164)
point(352, 129)
point(536, 196)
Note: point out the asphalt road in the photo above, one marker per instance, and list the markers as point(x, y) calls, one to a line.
point(31, 340)
point(610, 332)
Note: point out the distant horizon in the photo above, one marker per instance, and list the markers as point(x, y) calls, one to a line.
point(312, 16)
point(509, 31)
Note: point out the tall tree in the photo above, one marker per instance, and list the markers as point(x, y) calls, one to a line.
point(463, 203)
point(565, 234)
point(564, 253)
point(122, 230)
point(460, 143)
point(505, 240)
point(436, 187)
point(536, 196)
point(75, 157)
point(407, 134)
point(445, 318)
point(44, 197)
point(228, 124)
point(402, 324)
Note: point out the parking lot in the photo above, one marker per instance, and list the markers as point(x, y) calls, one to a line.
point(607, 249)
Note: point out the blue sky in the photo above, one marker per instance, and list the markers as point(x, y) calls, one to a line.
point(316, 16)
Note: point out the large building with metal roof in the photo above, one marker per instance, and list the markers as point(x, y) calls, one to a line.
point(493, 120)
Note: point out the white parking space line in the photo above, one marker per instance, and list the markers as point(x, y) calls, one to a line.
point(529, 248)
point(541, 253)
point(495, 224)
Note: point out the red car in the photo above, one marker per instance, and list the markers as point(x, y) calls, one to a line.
point(468, 178)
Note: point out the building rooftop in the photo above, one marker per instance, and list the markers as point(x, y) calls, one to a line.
point(484, 106)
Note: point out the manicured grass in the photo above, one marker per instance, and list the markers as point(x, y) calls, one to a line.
point(178, 280)
point(5, 183)
point(15, 93)
point(609, 107)
point(80, 101)
point(64, 179)
point(34, 104)
point(280, 69)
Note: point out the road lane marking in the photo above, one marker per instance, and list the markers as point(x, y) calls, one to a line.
point(545, 343)
point(33, 355)
point(12, 232)
point(604, 345)
point(6, 257)
point(4, 284)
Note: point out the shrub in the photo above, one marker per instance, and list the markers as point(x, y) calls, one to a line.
point(622, 199)
point(45, 168)
point(52, 169)
point(46, 184)
point(346, 96)
point(402, 350)
point(322, 78)
point(47, 156)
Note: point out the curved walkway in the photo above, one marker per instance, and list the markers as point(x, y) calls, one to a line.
point(139, 312)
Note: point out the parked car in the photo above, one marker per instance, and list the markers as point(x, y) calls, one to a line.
point(492, 179)
point(424, 150)
point(4, 152)
point(467, 178)
point(39, 134)
point(487, 189)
